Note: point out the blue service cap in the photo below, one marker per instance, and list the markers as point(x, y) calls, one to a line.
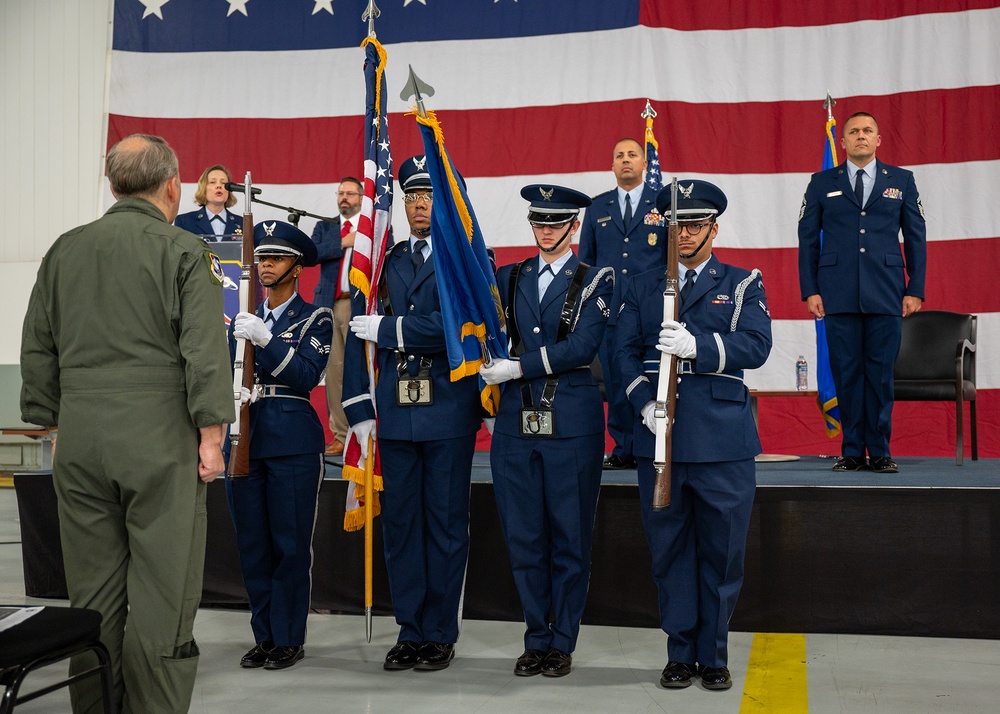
point(553, 204)
point(280, 238)
point(696, 200)
point(413, 174)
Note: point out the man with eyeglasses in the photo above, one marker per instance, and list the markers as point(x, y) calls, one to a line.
point(698, 542)
point(335, 247)
point(427, 426)
point(548, 440)
point(623, 230)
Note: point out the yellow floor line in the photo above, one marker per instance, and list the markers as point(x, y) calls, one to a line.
point(776, 675)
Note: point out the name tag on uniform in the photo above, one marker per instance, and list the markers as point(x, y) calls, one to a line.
point(414, 391)
point(834, 193)
point(537, 421)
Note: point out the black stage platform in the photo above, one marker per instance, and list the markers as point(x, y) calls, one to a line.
point(914, 553)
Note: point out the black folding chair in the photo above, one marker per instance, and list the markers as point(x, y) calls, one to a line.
point(48, 636)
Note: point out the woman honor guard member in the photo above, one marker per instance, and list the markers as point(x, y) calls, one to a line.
point(699, 541)
point(548, 439)
point(274, 507)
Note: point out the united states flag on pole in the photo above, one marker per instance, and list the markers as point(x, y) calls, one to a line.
point(273, 87)
point(366, 265)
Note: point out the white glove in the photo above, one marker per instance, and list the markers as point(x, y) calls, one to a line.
point(248, 395)
point(500, 371)
point(366, 327)
point(647, 415)
point(490, 422)
point(676, 340)
point(250, 327)
point(363, 430)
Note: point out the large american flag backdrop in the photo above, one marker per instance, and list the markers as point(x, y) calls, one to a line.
point(540, 90)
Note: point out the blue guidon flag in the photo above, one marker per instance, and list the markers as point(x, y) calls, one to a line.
point(470, 301)
point(826, 393)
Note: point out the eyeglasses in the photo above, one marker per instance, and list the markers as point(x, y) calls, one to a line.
point(422, 197)
point(694, 229)
point(553, 226)
point(347, 193)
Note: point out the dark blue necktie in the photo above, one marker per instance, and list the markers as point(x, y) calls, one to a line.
point(859, 187)
point(628, 210)
point(418, 258)
point(689, 278)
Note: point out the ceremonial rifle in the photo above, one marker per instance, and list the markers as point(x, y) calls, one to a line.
point(666, 385)
point(243, 363)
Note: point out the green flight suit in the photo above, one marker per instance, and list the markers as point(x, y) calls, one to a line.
point(124, 349)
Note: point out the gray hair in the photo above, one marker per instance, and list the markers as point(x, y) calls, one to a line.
point(140, 164)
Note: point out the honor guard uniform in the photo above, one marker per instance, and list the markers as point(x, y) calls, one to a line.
point(623, 230)
point(698, 542)
point(427, 426)
point(274, 507)
point(548, 439)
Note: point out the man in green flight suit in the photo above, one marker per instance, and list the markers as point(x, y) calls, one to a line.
point(124, 350)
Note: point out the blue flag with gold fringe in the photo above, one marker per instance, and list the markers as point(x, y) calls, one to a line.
point(826, 392)
point(466, 281)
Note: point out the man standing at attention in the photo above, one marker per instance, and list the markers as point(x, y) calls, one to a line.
point(427, 426)
point(131, 364)
point(623, 230)
point(335, 246)
point(853, 276)
point(698, 544)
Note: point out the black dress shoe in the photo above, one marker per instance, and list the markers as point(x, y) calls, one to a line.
point(556, 664)
point(850, 463)
point(403, 656)
point(715, 678)
point(434, 655)
point(884, 465)
point(678, 675)
point(282, 657)
point(529, 663)
point(257, 656)
point(619, 463)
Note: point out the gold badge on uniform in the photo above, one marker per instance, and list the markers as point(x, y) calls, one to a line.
point(651, 239)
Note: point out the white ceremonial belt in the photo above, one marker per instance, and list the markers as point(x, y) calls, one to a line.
point(267, 391)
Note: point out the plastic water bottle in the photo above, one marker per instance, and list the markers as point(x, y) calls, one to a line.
point(801, 374)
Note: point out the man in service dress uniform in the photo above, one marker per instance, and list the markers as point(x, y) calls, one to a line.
point(124, 350)
point(274, 506)
point(427, 428)
point(623, 230)
point(548, 440)
point(855, 279)
point(699, 541)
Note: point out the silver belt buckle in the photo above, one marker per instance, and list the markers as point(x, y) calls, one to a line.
point(685, 366)
point(537, 422)
point(414, 391)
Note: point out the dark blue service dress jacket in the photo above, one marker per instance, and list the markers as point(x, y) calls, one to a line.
point(199, 223)
point(605, 240)
point(860, 268)
point(727, 314)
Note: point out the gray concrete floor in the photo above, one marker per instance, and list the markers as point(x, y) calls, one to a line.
point(616, 669)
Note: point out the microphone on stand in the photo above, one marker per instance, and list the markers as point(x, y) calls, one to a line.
point(240, 188)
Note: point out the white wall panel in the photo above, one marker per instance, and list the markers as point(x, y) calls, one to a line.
point(54, 58)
